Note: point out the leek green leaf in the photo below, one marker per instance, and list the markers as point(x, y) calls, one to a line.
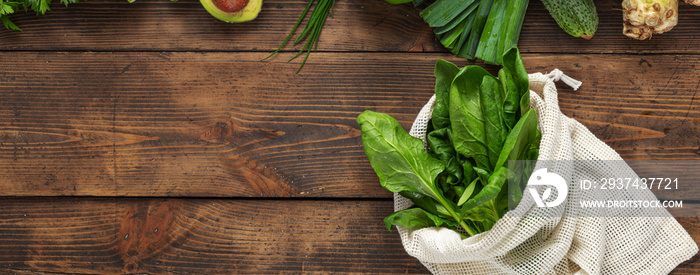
point(441, 12)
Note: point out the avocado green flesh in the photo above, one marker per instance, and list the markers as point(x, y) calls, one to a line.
point(249, 12)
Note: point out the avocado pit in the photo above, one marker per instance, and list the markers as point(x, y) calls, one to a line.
point(230, 5)
point(233, 11)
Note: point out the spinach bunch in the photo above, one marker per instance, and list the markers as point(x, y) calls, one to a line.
point(478, 125)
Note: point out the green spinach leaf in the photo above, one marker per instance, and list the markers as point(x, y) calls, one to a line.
point(485, 215)
point(479, 125)
point(467, 192)
point(482, 173)
point(520, 139)
point(415, 218)
point(426, 203)
point(511, 99)
point(466, 118)
point(445, 72)
point(440, 145)
point(468, 171)
point(516, 85)
point(492, 109)
point(399, 159)
point(490, 190)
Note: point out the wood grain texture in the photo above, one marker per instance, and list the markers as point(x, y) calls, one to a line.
point(357, 25)
point(226, 124)
point(159, 99)
point(161, 25)
point(198, 236)
point(212, 236)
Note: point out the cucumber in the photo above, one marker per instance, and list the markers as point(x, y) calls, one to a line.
point(578, 18)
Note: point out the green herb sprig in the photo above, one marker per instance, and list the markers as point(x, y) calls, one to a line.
point(311, 31)
point(39, 6)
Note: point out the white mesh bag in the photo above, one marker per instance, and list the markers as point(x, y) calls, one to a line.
point(557, 240)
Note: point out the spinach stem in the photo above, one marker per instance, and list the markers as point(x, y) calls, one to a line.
point(493, 207)
point(456, 217)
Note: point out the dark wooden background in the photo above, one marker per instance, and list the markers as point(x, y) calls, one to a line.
point(151, 138)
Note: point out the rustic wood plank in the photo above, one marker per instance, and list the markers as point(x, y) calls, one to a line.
point(199, 236)
point(161, 25)
point(541, 34)
point(357, 25)
point(226, 124)
point(213, 236)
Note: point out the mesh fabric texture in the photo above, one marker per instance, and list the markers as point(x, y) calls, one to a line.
point(556, 240)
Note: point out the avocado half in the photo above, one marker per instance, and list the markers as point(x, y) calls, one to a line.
point(233, 11)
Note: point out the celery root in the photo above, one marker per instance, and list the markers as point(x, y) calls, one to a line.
point(642, 18)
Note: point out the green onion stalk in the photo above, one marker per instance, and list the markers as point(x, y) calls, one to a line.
point(311, 31)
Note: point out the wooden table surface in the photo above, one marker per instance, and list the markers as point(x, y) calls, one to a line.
point(151, 138)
